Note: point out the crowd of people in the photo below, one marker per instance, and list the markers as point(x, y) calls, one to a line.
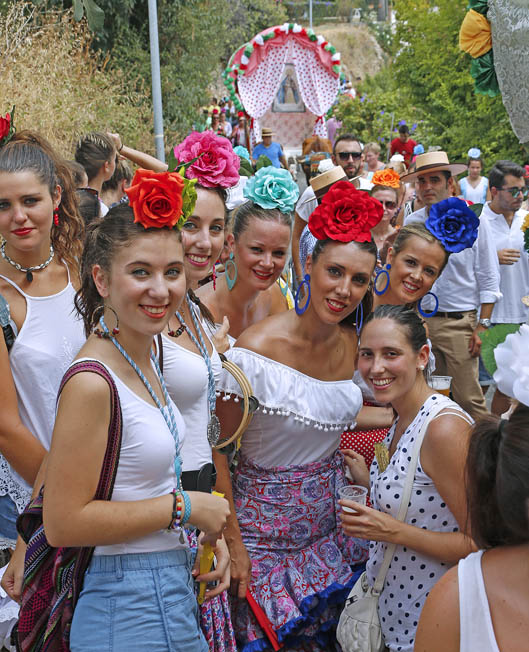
point(152, 305)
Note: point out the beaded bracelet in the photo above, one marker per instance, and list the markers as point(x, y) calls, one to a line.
point(176, 515)
point(187, 511)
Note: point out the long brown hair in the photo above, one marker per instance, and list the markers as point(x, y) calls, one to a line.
point(30, 151)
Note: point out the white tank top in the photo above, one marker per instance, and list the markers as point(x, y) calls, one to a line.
point(146, 465)
point(186, 377)
point(475, 622)
point(50, 338)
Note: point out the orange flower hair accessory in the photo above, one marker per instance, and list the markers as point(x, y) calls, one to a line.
point(160, 199)
point(387, 177)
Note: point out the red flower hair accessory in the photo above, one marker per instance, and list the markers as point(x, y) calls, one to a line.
point(7, 128)
point(160, 199)
point(345, 214)
point(387, 177)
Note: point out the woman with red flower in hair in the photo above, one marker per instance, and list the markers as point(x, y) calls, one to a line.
point(300, 365)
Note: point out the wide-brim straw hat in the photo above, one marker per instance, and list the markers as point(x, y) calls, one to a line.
point(321, 183)
point(266, 131)
point(433, 162)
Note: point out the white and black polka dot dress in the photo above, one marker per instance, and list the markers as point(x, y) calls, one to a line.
point(411, 575)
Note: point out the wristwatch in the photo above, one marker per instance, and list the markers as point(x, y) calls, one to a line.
point(486, 323)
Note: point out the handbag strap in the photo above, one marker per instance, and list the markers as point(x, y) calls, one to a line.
point(110, 462)
point(406, 493)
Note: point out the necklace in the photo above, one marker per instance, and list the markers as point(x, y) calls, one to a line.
point(213, 432)
point(28, 271)
point(167, 411)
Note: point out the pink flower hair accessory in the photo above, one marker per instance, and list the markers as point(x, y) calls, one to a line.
point(216, 163)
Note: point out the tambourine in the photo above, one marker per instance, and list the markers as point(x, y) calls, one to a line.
point(249, 405)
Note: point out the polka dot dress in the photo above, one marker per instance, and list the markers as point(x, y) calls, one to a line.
point(411, 575)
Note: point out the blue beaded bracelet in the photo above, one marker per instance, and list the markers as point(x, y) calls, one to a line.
point(187, 510)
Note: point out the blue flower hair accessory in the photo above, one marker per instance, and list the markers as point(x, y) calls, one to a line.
point(454, 224)
point(474, 152)
point(242, 152)
point(272, 187)
point(418, 149)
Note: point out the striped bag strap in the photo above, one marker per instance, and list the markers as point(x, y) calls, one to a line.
point(110, 462)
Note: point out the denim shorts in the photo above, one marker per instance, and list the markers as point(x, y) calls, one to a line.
point(8, 522)
point(138, 602)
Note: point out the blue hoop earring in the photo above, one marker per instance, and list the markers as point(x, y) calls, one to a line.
point(230, 282)
point(306, 280)
point(359, 322)
point(384, 270)
point(434, 311)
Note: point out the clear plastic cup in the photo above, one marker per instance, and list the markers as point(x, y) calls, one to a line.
point(441, 384)
point(353, 492)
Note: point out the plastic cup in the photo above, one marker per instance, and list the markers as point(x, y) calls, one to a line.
point(441, 384)
point(353, 492)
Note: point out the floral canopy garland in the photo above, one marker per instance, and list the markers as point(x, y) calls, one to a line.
point(494, 33)
point(253, 75)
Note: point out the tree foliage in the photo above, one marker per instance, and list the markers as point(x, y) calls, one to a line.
point(428, 84)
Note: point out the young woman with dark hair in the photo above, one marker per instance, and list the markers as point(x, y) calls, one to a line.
point(41, 233)
point(300, 365)
point(393, 354)
point(97, 153)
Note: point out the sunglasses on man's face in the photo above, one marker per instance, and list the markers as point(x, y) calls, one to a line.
point(516, 191)
point(344, 156)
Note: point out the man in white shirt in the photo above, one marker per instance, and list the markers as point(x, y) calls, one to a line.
point(346, 152)
point(467, 287)
point(508, 190)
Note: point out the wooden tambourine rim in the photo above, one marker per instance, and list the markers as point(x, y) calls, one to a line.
point(247, 398)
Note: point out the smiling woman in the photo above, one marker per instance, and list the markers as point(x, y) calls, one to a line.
point(300, 364)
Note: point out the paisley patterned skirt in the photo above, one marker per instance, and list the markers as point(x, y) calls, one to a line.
point(303, 566)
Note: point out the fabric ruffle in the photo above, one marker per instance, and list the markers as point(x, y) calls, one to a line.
point(475, 36)
point(484, 75)
point(283, 390)
point(512, 358)
point(302, 562)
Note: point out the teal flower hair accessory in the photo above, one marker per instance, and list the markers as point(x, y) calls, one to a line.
point(272, 187)
point(242, 152)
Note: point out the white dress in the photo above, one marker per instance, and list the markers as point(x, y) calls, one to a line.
point(285, 493)
point(411, 574)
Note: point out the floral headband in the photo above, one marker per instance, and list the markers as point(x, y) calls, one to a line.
point(345, 214)
point(272, 187)
point(387, 177)
point(7, 127)
point(161, 199)
point(454, 223)
point(211, 159)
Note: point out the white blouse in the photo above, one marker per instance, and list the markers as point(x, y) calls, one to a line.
point(299, 420)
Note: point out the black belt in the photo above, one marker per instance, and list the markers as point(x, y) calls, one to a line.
point(449, 315)
point(203, 479)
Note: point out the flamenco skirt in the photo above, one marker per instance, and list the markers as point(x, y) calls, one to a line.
point(303, 566)
point(214, 615)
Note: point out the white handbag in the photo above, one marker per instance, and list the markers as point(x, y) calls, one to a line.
point(359, 625)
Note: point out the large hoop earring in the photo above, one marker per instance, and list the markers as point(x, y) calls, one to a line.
point(98, 331)
point(384, 270)
point(230, 281)
point(305, 281)
point(426, 315)
point(359, 320)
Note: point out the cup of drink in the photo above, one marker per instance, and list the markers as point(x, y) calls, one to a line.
point(353, 492)
point(441, 384)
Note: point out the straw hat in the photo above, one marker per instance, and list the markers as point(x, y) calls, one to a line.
point(324, 181)
point(433, 162)
point(266, 131)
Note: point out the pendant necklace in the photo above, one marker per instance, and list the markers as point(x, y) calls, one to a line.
point(28, 271)
point(213, 432)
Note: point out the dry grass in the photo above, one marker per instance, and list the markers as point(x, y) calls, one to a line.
point(60, 88)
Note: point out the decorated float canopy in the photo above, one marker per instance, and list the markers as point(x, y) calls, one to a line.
point(285, 69)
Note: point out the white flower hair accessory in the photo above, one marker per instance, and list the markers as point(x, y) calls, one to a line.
point(512, 358)
point(474, 152)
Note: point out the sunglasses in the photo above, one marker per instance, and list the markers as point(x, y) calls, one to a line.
point(344, 156)
point(516, 191)
point(390, 205)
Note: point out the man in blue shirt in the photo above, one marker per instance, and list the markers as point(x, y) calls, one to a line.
point(274, 151)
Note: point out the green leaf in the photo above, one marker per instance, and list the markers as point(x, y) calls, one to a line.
point(94, 15)
point(172, 163)
point(262, 162)
point(78, 10)
point(476, 209)
point(490, 340)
